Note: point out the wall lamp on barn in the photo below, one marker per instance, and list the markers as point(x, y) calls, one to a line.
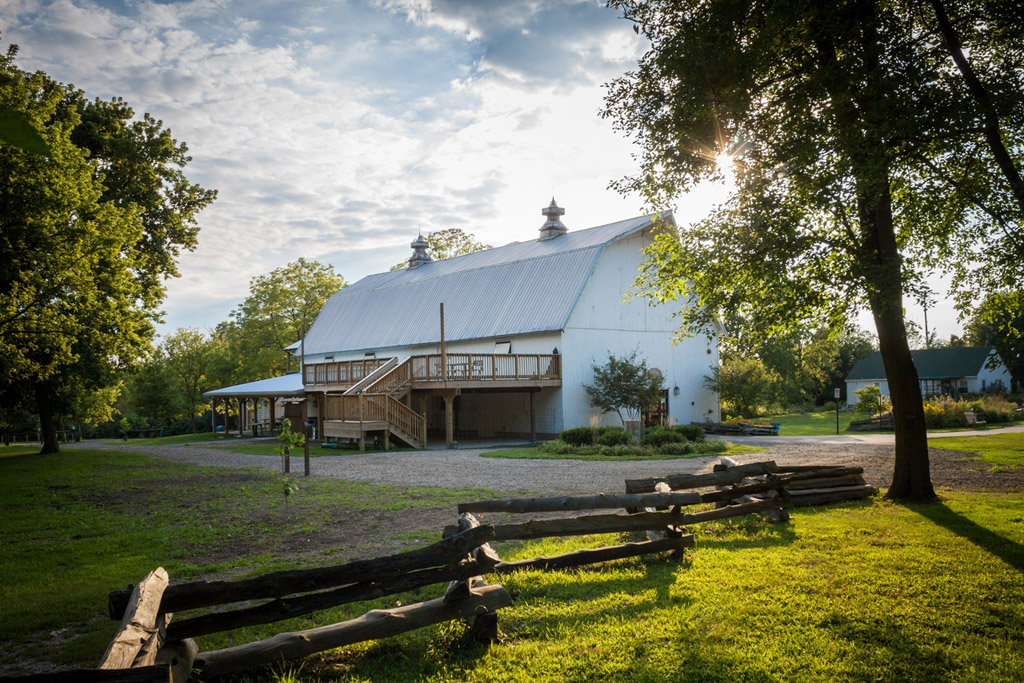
point(675, 390)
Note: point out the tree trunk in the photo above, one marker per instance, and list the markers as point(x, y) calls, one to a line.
point(47, 424)
point(883, 266)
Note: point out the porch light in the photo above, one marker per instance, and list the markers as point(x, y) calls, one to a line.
point(675, 390)
point(555, 351)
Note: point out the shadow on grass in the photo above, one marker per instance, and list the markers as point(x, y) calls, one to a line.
point(1010, 552)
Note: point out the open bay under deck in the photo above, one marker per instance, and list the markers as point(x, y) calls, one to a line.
point(375, 394)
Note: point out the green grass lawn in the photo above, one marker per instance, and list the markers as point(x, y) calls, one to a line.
point(998, 449)
point(181, 438)
point(823, 423)
point(535, 453)
point(820, 423)
point(861, 591)
point(79, 524)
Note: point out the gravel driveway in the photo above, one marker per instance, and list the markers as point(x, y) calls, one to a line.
point(463, 468)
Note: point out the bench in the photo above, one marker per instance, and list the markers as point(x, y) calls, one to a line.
point(973, 420)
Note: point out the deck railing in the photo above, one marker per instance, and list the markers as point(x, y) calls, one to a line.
point(363, 408)
point(428, 368)
point(340, 372)
point(486, 366)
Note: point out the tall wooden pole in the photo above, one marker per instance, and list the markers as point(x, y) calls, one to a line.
point(444, 352)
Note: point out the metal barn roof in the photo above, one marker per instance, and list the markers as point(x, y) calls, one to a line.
point(520, 288)
point(285, 385)
point(966, 361)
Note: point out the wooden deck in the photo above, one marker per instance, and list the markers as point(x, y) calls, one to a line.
point(454, 371)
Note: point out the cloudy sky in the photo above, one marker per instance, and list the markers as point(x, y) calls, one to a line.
point(338, 129)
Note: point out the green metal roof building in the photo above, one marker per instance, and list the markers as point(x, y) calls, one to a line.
point(943, 372)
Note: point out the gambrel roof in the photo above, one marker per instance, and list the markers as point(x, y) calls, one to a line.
point(948, 363)
point(520, 288)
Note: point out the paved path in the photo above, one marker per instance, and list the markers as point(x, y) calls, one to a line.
point(861, 437)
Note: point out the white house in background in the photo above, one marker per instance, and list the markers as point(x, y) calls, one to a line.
point(523, 324)
point(942, 372)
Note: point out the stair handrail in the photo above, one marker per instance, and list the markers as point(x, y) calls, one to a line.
point(372, 378)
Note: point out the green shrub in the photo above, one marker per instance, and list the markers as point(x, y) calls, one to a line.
point(613, 436)
point(711, 447)
point(680, 448)
point(945, 411)
point(659, 436)
point(578, 436)
point(691, 432)
point(626, 450)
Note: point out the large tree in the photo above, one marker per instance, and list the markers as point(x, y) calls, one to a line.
point(188, 358)
point(280, 307)
point(83, 260)
point(859, 164)
point(999, 322)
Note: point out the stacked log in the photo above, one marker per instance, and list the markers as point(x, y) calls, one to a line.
point(806, 485)
point(460, 558)
point(824, 485)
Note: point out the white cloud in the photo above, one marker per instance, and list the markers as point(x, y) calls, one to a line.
point(337, 131)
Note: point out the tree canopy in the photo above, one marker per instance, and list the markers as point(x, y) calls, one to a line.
point(84, 258)
point(625, 386)
point(859, 157)
point(280, 307)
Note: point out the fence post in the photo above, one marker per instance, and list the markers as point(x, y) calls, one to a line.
point(305, 446)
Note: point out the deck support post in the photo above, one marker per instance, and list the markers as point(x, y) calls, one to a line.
point(533, 416)
point(362, 432)
point(273, 409)
point(449, 416)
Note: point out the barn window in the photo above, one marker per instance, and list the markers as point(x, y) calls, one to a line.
point(503, 347)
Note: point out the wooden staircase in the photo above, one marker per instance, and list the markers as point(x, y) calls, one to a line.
point(375, 404)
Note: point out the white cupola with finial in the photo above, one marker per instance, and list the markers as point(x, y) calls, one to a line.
point(419, 252)
point(553, 227)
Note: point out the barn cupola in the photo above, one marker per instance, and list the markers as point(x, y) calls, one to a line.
point(419, 253)
point(553, 227)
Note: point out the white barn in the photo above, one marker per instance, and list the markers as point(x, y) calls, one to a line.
point(523, 324)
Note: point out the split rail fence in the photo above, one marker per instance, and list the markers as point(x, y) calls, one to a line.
point(155, 641)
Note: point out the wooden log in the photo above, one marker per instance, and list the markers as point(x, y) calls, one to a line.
point(595, 502)
point(179, 655)
point(833, 497)
point(144, 674)
point(185, 596)
point(147, 653)
point(694, 481)
point(371, 626)
point(658, 534)
point(606, 524)
point(485, 554)
point(139, 624)
point(734, 492)
point(826, 482)
point(594, 555)
point(826, 489)
point(288, 607)
point(776, 513)
point(784, 469)
point(481, 627)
